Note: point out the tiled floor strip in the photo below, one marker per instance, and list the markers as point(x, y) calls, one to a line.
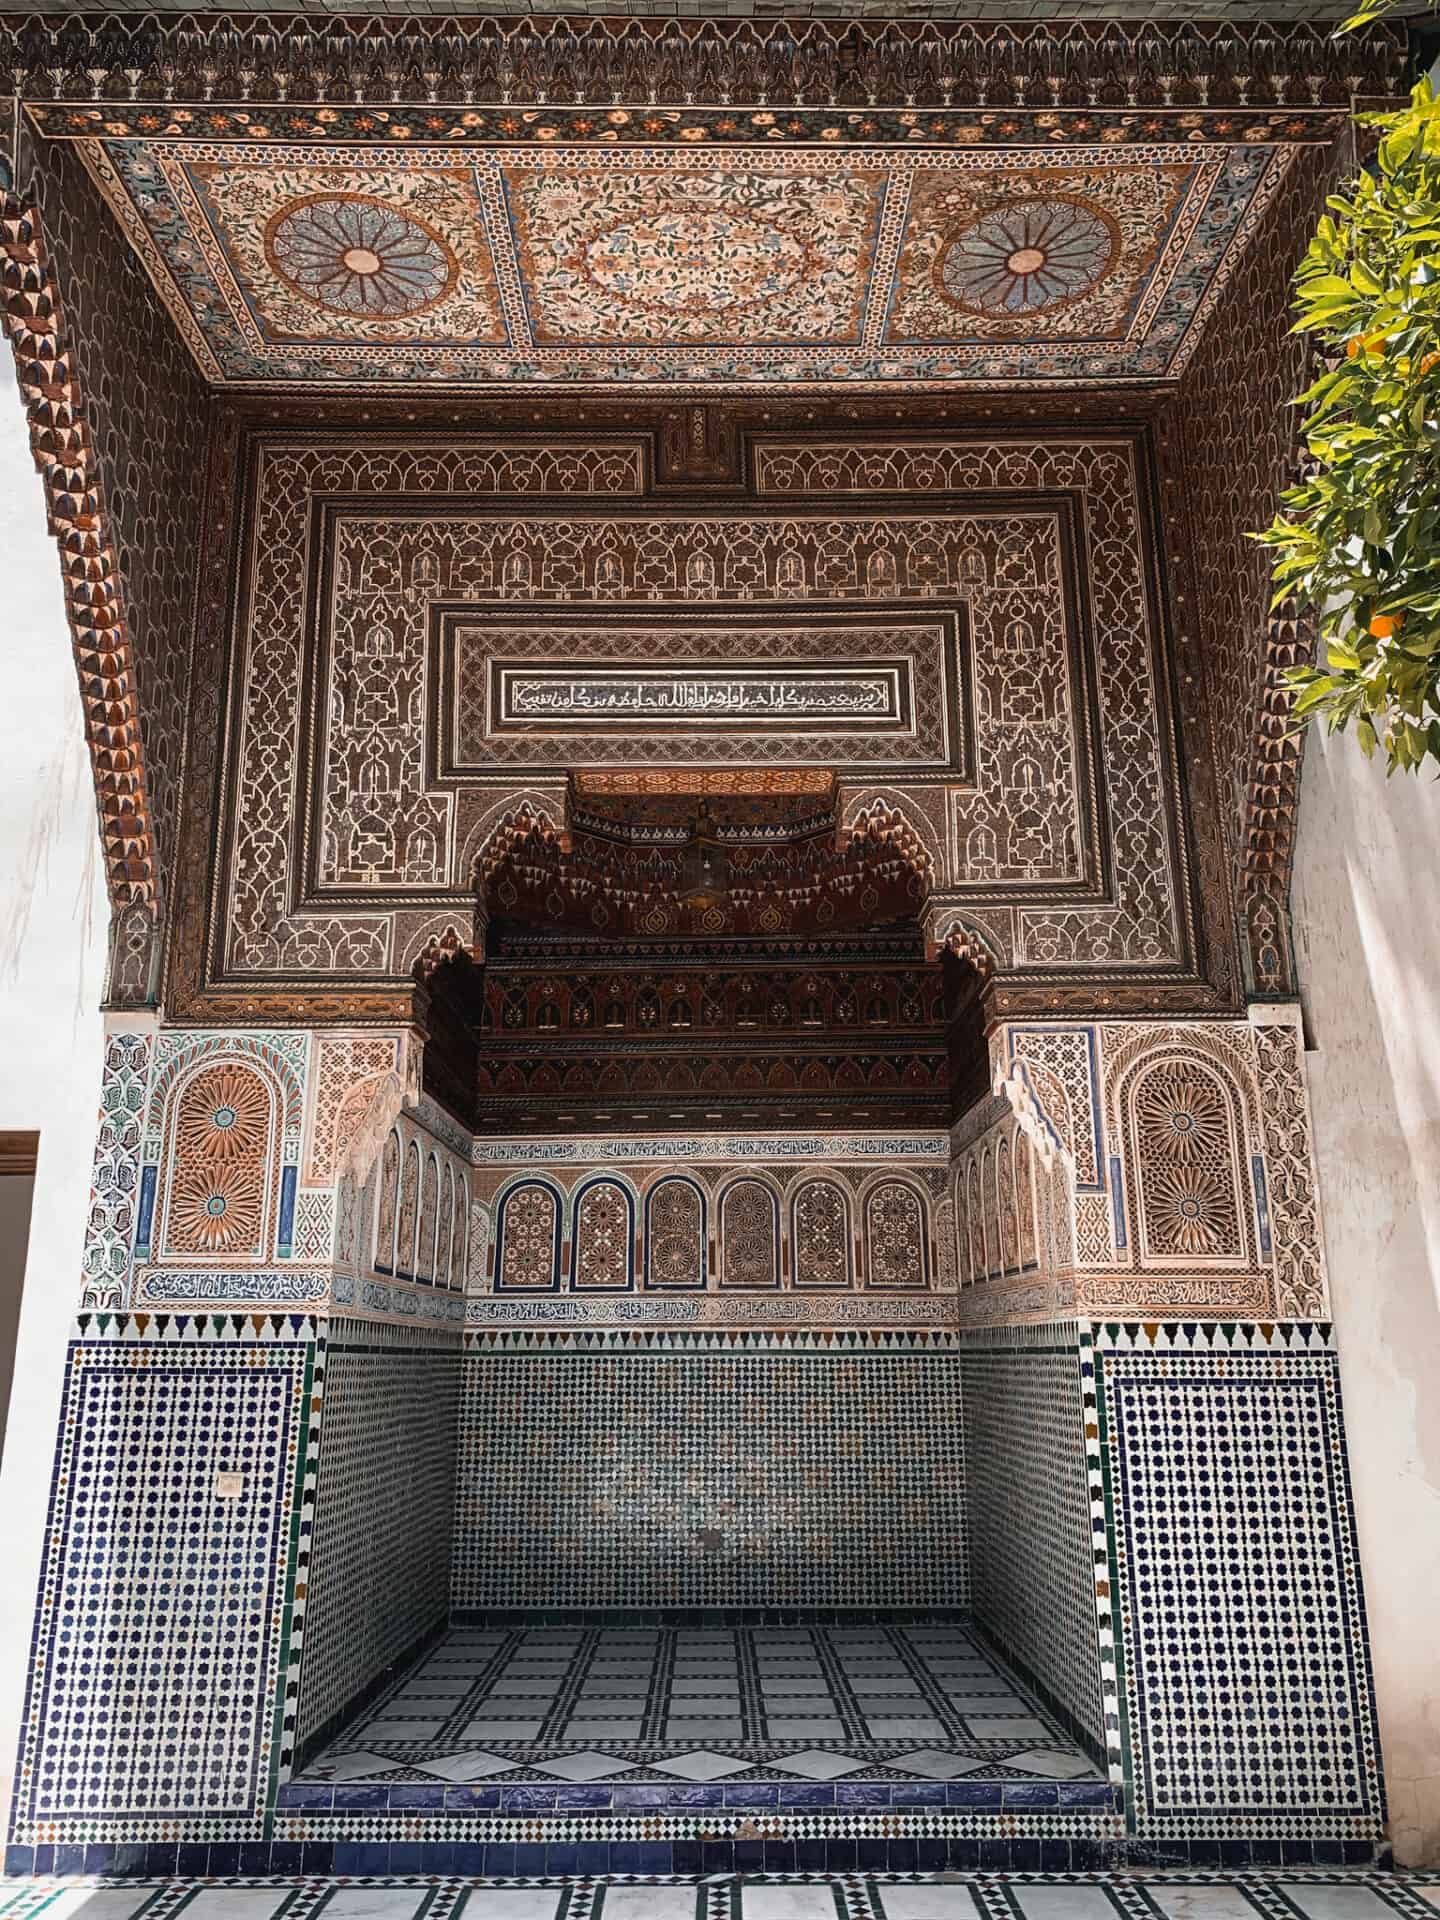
point(1177, 1896)
point(876, 1702)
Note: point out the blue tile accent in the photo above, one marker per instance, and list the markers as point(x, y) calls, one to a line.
point(285, 1234)
point(1262, 1203)
point(1117, 1201)
point(146, 1217)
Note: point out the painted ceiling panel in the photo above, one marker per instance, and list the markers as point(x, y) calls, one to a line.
point(558, 263)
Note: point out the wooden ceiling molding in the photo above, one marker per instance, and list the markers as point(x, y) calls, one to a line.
point(75, 507)
point(122, 57)
point(620, 203)
point(623, 875)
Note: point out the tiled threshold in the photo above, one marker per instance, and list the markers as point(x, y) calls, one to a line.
point(1285, 1895)
point(520, 1719)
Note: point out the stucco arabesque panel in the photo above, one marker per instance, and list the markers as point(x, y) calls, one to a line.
point(264, 721)
point(382, 823)
point(1146, 923)
point(1142, 791)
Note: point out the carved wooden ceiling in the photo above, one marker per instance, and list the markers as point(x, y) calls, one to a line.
point(610, 204)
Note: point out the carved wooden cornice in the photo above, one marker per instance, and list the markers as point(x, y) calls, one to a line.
point(19, 1153)
point(60, 443)
point(1267, 851)
point(614, 62)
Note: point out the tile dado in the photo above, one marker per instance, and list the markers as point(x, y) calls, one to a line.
point(710, 1474)
point(378, 1582)
point(183, 1482)
point(1246, 1693)
point(1213, 1448)
point(767, 1895)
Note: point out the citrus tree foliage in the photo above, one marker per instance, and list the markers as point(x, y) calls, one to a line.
point(1359, 539)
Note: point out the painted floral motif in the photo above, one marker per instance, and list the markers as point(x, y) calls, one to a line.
point(355, 255)
point(672, 256)
point(697, 266)
point(755, 265)
point(366, 259)
point(1028, 257)
point(1075, 256)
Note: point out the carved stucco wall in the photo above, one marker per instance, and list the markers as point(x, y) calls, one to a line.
point(716, 1231)
point(1034, 556)
point(1235, 442)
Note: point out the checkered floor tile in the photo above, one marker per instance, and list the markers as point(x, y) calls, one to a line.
point(918, 1701)
point(1132, 1896)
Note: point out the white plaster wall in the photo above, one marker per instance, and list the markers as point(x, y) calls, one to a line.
point(52, 953)
point(1367, 923)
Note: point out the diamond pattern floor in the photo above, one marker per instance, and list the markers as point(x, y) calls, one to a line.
point(589, 1704)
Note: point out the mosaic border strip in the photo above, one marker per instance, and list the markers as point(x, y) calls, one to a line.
point(856, 1342)
point(579, 1150)
point(860, 1895)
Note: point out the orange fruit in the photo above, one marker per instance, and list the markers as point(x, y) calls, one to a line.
point(1385, 626)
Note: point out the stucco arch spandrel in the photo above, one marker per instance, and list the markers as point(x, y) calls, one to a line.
point(967, 936)
point(375, 1104)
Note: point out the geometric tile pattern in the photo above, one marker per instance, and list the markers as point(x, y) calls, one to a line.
point(1137, 1895)
point(115, 1180)
point(721, 1477)
point(379, 1569)
point(163, 1600)
point(1034, 1583)
point(700, 1705)
point(380, 263)
point(1246, 1679)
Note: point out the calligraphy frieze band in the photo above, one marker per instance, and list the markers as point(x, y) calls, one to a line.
point(829, 687)
point(689, 696)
